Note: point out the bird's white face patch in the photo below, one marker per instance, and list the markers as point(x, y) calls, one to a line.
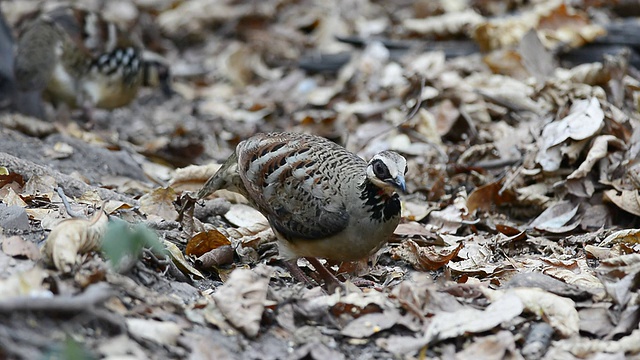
point(386, 170)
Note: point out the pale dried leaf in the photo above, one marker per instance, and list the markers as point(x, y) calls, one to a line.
point(244, 215)
point(74, 237)
point(159, 202)
point(182, 263)
point(556, 217)
point(448, 24)
point(242, 298)
point(627, 236)
point(160, 332)
point(560, 312)
point(599, 150)
point(447, 325)
point(27, 283)
point(585, 119)
point(627, 200)
point(192, 177)
point(17, 246)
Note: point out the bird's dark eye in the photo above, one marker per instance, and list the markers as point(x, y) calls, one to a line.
point(380, 170)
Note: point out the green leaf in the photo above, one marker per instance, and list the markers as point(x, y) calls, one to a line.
point(123, 242)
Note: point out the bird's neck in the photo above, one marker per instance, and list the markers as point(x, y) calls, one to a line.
point(378, 202)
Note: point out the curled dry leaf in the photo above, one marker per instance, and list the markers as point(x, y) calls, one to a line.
point(206, 241)
point(558, 311)
point(599, 150)
point(242, 298)
point(427, 258)
point(72, 237)
point(627, 236)
point(585, 119)
point(180, 261)
point(192, 177)
point(556, 218)
point(627, 200)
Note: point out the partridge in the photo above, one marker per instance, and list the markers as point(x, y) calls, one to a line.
point(77, 57)
point(320, 199)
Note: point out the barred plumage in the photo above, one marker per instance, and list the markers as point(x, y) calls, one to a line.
point(320, 199)
point(79, 58)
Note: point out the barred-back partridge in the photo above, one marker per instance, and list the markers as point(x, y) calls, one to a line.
point(79, 58)
point(320, 199)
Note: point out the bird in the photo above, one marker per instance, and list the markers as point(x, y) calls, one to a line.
point(77, 57)
point(321, 200)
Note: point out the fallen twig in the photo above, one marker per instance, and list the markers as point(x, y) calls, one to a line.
point(93, 295)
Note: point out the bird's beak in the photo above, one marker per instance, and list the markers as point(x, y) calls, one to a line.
point(399, 183)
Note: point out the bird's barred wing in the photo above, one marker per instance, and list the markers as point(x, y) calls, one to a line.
point(287, 177)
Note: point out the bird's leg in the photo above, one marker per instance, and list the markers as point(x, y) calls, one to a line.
point(297, 273)
point(330, 280)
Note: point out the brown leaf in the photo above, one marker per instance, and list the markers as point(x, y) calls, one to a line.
point(11, 177)
point(160, 202)
point(216, 257)
point(426, 258)
point(203, 242)
point(483, 197)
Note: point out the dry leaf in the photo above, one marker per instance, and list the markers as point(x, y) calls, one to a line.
point(180, 261)
point(556, 217)
point(17, 246)
point(242, 298)
point(160, 202)
point(627, 200)
point(27, 283)
point(627, 236)
point(160, 332)
point(192, 177)
point(73, 237)
point(585, 119)
point(11, 199)
point(599, 149)
point(447, 325)
point(203, 242)
point(560, 312)
point(428, 258)
point(453, 23)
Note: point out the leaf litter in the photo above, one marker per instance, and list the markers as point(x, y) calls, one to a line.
point(519, 236)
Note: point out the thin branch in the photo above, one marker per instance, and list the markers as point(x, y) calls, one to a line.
point(93, 295)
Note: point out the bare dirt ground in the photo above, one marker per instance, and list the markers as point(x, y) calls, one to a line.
point(519, 236)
